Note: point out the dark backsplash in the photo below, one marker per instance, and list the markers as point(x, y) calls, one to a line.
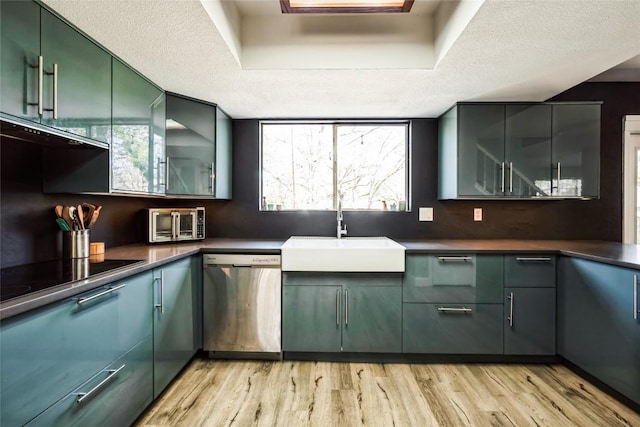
point(29, 233)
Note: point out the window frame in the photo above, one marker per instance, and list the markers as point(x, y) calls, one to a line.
point(408, 159)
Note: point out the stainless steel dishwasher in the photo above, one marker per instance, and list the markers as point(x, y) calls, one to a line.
point(241, 306)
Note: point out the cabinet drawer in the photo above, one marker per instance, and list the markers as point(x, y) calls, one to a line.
point(453, 279)
point(530, 270)
point(115, 396)
point(452, 329)
point(61, 345)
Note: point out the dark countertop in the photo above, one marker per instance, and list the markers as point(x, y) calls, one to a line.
point(158, 255)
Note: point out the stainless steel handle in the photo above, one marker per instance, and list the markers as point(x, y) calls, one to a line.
point(502, 174)
point(166, 173)
point(510, 177)
point(40, 84)
point(510, 318)
point(454, 310)
point(338, 307)
point(112, 373)
point(558, 181)
point(98, 295)
point(533, 259)
point(213, 178)
point(455, 258)
point(161, 305)
point(55, 91)
point(635, 297)
point(176, 225)
point(346, 307)
point(160, 162)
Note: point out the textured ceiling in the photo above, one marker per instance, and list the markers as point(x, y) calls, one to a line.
point(521, 50)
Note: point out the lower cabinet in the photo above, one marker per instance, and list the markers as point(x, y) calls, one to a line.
point(350, 312)
point(452, 329)
point(530, 321)
point(599, 323)
point(46, 353)
point(115, 396)
point(176, 329)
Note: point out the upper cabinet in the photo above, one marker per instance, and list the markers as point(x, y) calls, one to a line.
point(52, 74)
point(198, 149)
point(497, 150)
point(137, 147)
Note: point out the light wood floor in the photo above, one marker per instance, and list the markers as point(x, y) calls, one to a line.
point(246, 393)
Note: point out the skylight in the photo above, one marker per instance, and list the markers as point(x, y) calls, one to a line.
point(346, 6)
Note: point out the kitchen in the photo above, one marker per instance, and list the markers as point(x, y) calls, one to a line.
point(24, 201)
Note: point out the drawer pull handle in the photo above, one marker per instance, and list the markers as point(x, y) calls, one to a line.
point(455, 258)
point(533, 259)
point(510, 318)
point(112, 373)
point(454, 310)
point(98, 295)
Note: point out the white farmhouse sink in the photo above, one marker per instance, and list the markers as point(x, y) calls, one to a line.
point(361, 254)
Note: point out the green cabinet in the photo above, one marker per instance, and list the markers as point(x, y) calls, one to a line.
point(70, 90)
point(516, 150)
point(530, 304)
point(350, 312)
point(598, 322)
point(138, 127)
point(576, 150)
point(198, 154)
point(62, 345)
point(176, 330)
point(452, 304)
point(19, 51)
point(116, 396)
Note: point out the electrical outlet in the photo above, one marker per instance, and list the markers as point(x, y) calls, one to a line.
point(425, 214)
point(477, 214)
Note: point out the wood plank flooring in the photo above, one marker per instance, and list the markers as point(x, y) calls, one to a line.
point(258, 393)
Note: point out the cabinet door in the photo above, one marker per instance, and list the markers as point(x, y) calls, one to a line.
point(576, 150)
point(223, 155)
point(191, 138)
point(453, 278)
point(19, 50)
point(137, 146)
point(530, 270)
point(528, 150)
point(372, 319)
point(116, 396)
point(481, 150)
point(597, 329)
point(82, 101)
point(311, 318)
point(174, 332)
point(452, 328)
point(530, 321)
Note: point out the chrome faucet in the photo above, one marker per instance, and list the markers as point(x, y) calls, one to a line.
point(342, 228)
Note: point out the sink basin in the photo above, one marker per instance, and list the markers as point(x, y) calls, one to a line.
point(354, 254)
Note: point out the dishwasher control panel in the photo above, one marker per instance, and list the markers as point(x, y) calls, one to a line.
point(240, 260)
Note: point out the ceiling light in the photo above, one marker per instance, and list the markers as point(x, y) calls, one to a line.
point(345, 6)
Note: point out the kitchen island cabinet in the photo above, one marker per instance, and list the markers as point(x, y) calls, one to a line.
point(342, 312)
point(599, 326)
point(48, 352)
point(176, 320)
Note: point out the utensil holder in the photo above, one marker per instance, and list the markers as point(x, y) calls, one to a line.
point(75, 244)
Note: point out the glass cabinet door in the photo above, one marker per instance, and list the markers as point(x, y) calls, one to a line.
point(137, 146)
point(576, 150)
point(527, 150)
point(77, 94)
point(19, 50)
point(190, 147)
point(481, 150)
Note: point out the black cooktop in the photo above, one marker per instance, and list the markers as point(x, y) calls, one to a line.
point(25, 279)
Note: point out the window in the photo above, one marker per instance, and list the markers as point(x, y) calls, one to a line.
point(309, 166)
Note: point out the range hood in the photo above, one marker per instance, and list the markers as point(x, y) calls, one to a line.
point(23, 130)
